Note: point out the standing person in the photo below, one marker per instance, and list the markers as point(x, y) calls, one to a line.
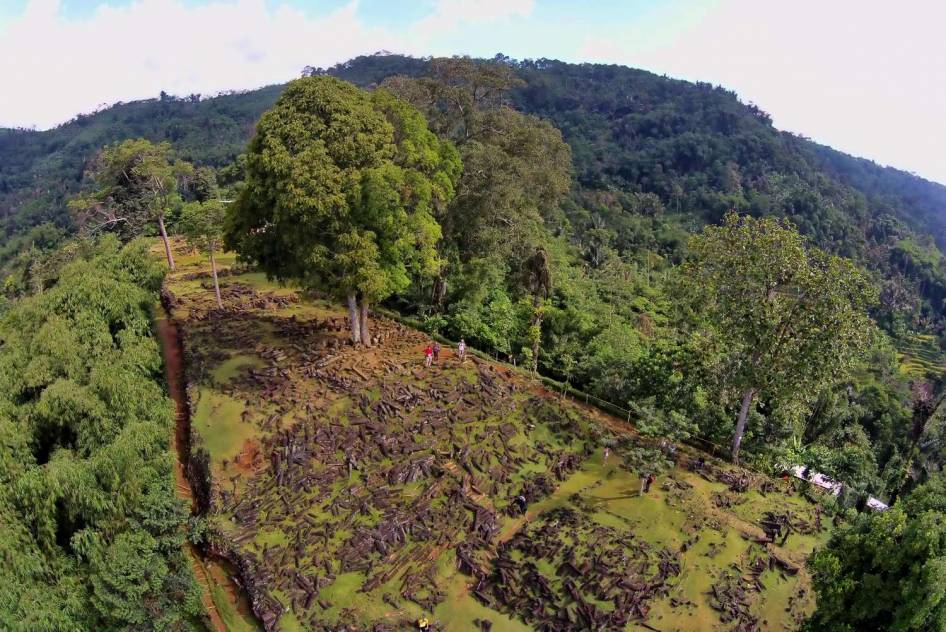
point(436, 352)
point(607, 451)
point(461, 350)
point(428, 355)
point(650, 481)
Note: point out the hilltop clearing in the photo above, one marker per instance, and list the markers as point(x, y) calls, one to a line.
point(356, 486)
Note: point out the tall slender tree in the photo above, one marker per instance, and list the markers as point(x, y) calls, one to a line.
point(136, 183)
point(791, 317)
point(539, 281)
point(202, 225)
point(341, 190)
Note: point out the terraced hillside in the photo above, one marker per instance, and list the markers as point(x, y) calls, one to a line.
point(353, 486)
point(921, 357)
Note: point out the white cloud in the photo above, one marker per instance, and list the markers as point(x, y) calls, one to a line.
point(867, 77)
point(864, 76)
point(54, 68)
point(449, 14)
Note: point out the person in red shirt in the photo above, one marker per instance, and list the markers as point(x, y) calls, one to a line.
point(428, 355)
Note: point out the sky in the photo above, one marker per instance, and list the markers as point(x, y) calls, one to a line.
point(867, 77)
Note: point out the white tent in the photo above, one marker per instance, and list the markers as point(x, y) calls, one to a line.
point(876, 505)
point(824, 482)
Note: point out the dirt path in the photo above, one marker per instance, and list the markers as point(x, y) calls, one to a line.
point(167, 334)
point(171, 348)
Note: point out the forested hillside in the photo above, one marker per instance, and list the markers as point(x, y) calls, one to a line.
point(651, 161)
point(39, 170)
point(653, 158)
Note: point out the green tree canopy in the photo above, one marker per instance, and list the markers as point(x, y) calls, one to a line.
point(136, 183)
point(790, 318)
point(202, 224)
point(92, 529)
point(517, 168)
point(342, 187)
point(887, 571)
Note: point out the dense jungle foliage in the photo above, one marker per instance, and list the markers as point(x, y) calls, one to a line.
point(92, 528)
point(886, 571)
point(589, 236)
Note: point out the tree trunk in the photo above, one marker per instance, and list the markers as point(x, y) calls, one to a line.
point(213, 268)
point(354, 322)
point(365, 334)
point(923, 411)
point(440, 289)
point(741, 424)
point(167, 244)
point(812, 431)
point(537, 341)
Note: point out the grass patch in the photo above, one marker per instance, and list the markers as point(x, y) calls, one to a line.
point(217, 418)
point(233, 366)
point(234, 621)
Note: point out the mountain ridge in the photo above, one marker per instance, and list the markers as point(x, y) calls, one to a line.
point(695, 146)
